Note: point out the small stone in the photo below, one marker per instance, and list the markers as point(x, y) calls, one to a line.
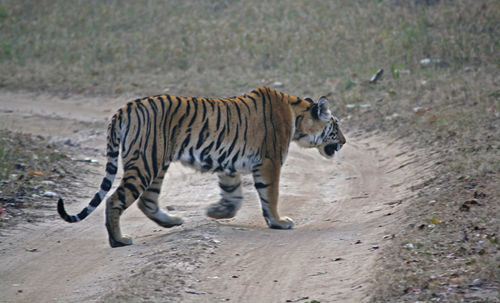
point(425, 61)
point(50, 194)
point(194, 292)
point(477, 283)
point(299, 299)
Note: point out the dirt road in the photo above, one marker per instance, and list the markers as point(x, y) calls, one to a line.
point(343, 211)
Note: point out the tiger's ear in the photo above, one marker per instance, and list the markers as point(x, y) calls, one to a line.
point(323, 110)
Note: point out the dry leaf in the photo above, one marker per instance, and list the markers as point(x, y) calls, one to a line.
point(435, 221)
point(36, 173)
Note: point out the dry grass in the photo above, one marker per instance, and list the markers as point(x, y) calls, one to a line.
point(213, 47)
point(450, 107)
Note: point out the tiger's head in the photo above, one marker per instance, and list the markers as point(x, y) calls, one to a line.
point(316, 127)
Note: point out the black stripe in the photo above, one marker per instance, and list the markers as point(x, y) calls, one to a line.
point(146, 169)
point(243, 101)
point(271, 118)
point(203, 135)
point(191, 156)
point(127, 129)
point(139, 174)
point(205, 151)
point(154, 156)
point(204, 111)
point(238, 111)
point(254, 102)
point(163, 126)
point(113, 154)
point(218, 116)
point(228, 116)
point(235, 158)
point(219, 139)
point(173, 133)
point(133, 190)
point(208, 163)
point(228, 188)
point(221, 158)
point(314, 111)
point(188, 108)
point(106, 184)
point(265, 121)
point(95, 201)
point(149, 204)
point(179, 101)
point(245, 139)
point(234, 141)
point(211, 102)
point(184, 145)
point(137, 133)
point(121, 195)
point(195, 114)
point(260, 185)
point(154, 190)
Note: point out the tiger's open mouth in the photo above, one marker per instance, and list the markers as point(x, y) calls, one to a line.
point(330, 149)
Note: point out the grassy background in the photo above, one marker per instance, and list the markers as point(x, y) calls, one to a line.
point(450, 107)
point(213, 47)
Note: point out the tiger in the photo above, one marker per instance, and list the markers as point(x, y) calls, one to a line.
point(248, 134)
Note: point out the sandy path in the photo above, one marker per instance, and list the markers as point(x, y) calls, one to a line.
point(342, 209)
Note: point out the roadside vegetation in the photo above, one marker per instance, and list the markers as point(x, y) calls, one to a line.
point(33, 172)
point(440, 93)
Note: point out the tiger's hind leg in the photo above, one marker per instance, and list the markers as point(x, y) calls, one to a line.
point(148, 203)
point(129, 190)
point(231, 196)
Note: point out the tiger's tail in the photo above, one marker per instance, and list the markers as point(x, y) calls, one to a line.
point(112, 152)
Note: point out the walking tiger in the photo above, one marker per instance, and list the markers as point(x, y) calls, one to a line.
point(229, 136)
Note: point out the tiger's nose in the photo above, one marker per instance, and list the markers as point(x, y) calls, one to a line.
point(342, 140)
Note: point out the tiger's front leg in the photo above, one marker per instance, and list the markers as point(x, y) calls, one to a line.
point(266, 178)
point(231, 196)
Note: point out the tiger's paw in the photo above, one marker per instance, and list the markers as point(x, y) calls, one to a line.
point(169, 221)
point(221, 211)
point(282, 223)
point(123, 241)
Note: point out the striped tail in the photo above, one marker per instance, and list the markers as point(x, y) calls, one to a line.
point(112, 152)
